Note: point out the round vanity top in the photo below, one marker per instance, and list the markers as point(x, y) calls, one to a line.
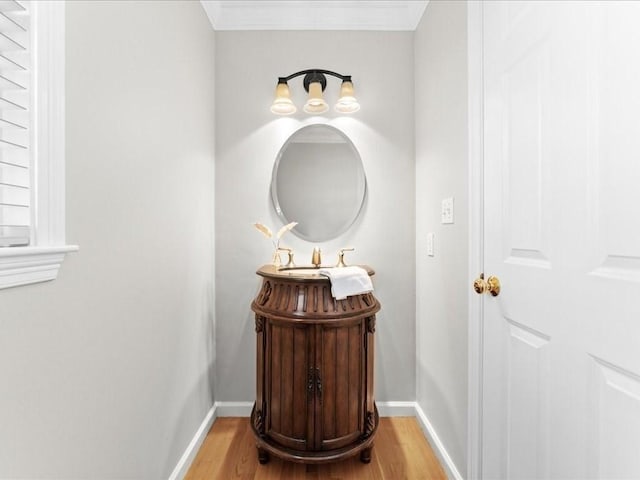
point(300, 273)
point(302, 294)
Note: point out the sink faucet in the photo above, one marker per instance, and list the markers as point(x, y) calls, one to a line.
point(289, 251)
point(341, 256)
point(316, 257)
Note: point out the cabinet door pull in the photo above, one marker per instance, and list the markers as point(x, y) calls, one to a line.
point(319, 384)
point(310, 382)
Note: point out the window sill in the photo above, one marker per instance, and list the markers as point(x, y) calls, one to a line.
point(25, 265)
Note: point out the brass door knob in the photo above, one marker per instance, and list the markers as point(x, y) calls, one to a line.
point(479, 285)
point(490, 286)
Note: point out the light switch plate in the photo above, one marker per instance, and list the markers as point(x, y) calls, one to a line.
point(447, 210)
point(430, 244)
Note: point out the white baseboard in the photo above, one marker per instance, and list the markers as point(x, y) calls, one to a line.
point(396, 409)
point(436, 444)
point(219, 409)
point(233, 409)
point(386, 409)
point(189, 454)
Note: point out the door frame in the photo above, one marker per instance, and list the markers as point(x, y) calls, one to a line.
point(475, 84)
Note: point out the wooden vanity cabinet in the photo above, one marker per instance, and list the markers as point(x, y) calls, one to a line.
point(314, 372)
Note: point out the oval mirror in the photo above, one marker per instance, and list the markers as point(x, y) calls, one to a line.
point(318, 181)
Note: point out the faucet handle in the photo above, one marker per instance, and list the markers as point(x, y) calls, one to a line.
point(289, 251)
point(341, 256)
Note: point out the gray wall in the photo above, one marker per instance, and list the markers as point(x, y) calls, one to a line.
point(441, 171)
point(107, 372)
point(249, 137)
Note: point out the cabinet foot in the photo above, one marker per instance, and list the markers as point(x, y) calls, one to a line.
point(263, 456)
point(365, 455)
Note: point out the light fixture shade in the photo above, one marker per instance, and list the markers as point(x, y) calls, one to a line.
point(347, 102)
point(283, 105)
point(315, 102)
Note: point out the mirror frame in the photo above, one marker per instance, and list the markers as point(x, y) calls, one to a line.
point(274, 193)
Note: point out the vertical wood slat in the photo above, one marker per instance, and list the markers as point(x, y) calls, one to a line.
point(286, 381)
point(329, 374)
point(314, 422)
point(342, 380)
point(265, 393)
point(355, 377)
point(260, 366)
point(279, 290)
point(369, 346)
point(275, 402)
point(287, 299)
point(296, 299)
point(326, 297)
point(315, 298)
point(301, 366)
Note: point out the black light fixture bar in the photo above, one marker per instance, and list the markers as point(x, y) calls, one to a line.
point(314, 75)
point(315, 82)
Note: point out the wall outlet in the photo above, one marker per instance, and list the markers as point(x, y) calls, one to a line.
point(447, 210)
point(430, 244)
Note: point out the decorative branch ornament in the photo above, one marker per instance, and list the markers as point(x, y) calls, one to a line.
point(266, 231)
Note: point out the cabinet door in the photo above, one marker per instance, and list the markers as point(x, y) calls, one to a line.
point(289, 384)
point(340, 397)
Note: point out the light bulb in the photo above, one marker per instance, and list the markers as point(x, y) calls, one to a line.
point(315, 102)
point(347, 103)
point(283, 105)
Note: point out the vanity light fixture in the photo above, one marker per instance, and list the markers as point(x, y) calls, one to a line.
point(315, 81)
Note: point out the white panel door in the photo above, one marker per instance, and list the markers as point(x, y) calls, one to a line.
point(561, 343)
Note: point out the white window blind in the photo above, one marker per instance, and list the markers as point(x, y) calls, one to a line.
point(15, 124)
point(32, 141)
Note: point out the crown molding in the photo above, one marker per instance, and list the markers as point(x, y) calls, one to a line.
point(387, 15)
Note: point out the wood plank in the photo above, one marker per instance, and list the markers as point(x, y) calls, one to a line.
point(328, 372)
point(207, 463)
point(356, 384)
point(241, 460)
point(342, 381)
point(301, 407)
point(400, 452)
point(274, 401)
point(286, 378)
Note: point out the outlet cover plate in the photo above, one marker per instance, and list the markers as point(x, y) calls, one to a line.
point(447, 210)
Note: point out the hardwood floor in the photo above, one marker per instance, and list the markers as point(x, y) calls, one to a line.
point(400, 452)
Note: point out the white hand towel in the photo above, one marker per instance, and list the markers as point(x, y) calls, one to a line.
point(346, 281)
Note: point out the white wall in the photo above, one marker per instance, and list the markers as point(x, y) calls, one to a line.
point(249, 137)
point(441, 172)
point(107, 372)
